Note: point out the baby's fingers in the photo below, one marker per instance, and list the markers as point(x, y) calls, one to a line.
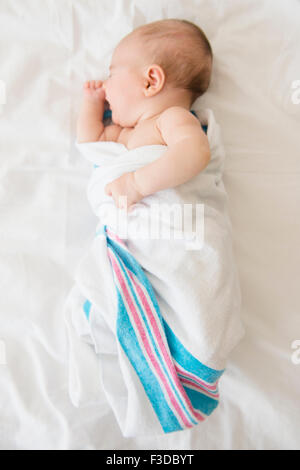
point(93, 84)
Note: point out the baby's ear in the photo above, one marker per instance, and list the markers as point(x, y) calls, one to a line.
point(146, 84)
point(155, 79)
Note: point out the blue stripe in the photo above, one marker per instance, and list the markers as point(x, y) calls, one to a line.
point(157, 352)
point(201, 402)
point(202, 125)
point(187, 361)
point(87, 308)
point(131, 263)
point(107, 114)
point(128, 340)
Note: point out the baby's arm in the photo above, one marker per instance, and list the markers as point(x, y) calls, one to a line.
point(89, 124)
point(188, 153)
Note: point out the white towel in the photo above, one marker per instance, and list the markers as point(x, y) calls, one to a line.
point(158, 369)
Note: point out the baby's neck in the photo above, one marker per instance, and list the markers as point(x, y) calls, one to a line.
point(160, 103)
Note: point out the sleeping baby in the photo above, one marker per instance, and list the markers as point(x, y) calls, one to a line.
point(161, 315)
point(156, 73)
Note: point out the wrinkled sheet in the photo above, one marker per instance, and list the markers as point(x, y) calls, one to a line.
point(47, 50)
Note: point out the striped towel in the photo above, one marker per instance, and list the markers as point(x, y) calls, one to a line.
point(163, 319)
point(181, 390)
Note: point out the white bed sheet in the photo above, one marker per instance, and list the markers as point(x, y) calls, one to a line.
point(47, 50)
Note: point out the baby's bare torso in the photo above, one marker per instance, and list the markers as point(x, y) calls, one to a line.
point(146, 133)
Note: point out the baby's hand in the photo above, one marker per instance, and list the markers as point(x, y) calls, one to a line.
point(93, 91)
point(124, 191)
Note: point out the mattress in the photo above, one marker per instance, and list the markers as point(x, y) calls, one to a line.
point(48, 50)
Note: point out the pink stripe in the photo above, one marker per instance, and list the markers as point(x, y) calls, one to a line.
point(115, 237)
point(165, 353)
point(145, 341)
point(182, 371)
point(197, 386)
point(188, 382)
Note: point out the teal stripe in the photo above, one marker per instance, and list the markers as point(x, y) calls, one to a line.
point(146, 323)
point(87, 308)
point(202, 125)
point(128, 340)
point(187, 361)
point(201, 402)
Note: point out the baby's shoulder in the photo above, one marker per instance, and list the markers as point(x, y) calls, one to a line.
point(175, 120)
point(176, 115)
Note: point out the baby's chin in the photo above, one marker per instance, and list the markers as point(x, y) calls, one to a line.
point(123, 122)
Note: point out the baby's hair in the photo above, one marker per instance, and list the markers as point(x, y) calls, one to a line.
point(182, 50)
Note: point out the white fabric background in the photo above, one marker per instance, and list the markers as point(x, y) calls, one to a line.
point(48, 48)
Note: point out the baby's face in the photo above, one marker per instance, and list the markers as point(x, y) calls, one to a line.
point(123, 88)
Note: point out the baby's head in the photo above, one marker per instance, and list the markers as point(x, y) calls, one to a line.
point(158, 65)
